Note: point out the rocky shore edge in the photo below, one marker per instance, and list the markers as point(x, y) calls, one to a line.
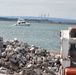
point(18, 58)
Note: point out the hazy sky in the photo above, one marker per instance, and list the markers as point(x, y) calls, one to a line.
point(55, 8)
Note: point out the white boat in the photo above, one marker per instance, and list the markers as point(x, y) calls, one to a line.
point(22, 22)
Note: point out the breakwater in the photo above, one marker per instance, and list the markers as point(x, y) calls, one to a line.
point(19, 58)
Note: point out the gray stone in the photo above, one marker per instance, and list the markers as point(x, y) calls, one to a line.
point(3, 54)
point(29, 65)
point(24, 59)
point(21, 73)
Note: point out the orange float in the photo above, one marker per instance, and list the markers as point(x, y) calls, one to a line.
point(70, 71)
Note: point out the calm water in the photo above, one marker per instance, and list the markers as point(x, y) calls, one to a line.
point(42, 35)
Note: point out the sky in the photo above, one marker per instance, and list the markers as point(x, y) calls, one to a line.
point(51, 8)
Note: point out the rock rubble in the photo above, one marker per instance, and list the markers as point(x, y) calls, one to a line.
point(18, 58)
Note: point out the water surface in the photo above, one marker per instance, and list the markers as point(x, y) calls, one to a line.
point(43, 35)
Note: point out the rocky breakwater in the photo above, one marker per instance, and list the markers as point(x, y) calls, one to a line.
point(18, 58)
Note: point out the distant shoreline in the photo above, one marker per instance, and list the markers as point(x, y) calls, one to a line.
point(33, 21)
point(36, 21)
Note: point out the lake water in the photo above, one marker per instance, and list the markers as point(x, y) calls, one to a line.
point(43, 35)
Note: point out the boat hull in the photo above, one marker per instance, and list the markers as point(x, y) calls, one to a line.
point(22, 24)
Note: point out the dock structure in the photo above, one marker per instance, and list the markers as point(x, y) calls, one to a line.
point(68, 51)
